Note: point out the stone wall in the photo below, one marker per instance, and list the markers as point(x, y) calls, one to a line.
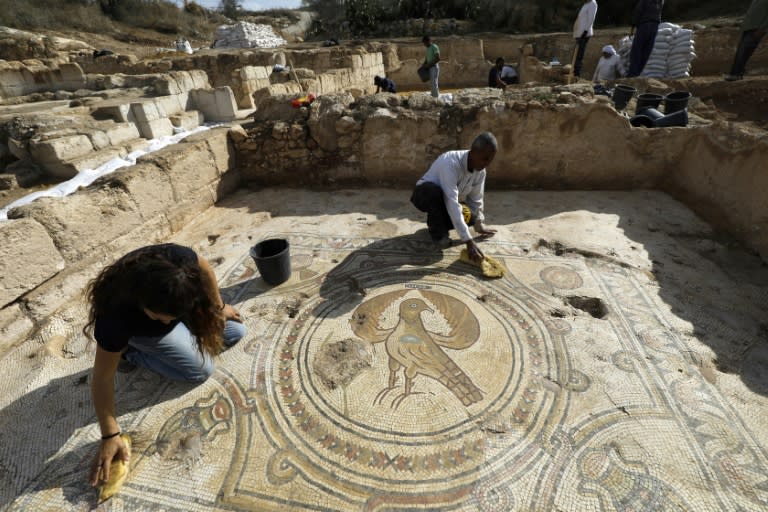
point(550, 138)
point(50, 248)
point(469, 59)
point(31, 76)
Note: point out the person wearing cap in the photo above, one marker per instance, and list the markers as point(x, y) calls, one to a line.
point(582, 31)
point(753, 30)
point(608, 65)
point(384, 84)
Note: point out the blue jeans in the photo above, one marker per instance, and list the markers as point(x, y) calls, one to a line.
point(176, 355)
point(434, 72)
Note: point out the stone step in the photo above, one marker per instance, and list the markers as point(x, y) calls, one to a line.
point(188, 120)
point(67, 169)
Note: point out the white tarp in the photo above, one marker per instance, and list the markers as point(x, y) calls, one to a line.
point(88, 176)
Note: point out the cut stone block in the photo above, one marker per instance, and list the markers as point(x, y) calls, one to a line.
point(14, 327)
point(187, 120)
point(148, 185)
point(155, 129)
point(82, 224)
point(170, 104)
point(216, 105)
point(57, 150)
point(120, 113)
point(69, 168)
point(99, 139)
point(28, 257)
point(147, 111)
point(190, 166)
point(122, 132)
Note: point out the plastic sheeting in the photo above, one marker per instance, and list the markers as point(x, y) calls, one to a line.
point(88, 176)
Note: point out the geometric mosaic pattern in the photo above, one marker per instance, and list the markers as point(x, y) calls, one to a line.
point(481, 395)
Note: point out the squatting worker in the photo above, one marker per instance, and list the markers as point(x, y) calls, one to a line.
point(431, 60)
point(158, 307)
point(608, 67)
point(455, 177)
point(384, 84)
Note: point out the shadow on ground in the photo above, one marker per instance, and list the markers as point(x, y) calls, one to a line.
point(706, 279)
point(48, 422)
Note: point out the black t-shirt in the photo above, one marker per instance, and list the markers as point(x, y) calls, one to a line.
point(115, 327)
point(493, 74)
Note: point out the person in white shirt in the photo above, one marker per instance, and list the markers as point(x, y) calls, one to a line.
point(582, 31)
point(455, 177)
point(608, 65)
point(509, 75)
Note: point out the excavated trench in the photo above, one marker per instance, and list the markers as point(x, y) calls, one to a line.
point(627, 337)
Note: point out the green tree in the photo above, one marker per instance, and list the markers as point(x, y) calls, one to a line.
point(231, 8)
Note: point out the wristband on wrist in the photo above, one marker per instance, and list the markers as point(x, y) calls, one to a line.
point(110, 436)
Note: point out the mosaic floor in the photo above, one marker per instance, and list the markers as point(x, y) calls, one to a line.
point(385, 375)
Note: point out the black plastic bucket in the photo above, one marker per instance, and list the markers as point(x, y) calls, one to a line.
point(679, 118)
point(641, 120)
point(676, 101)
point(648, 100)
point(621, 95)
point(273, 259)
point(423, 74)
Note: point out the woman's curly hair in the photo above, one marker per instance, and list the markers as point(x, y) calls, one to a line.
point(148, 279)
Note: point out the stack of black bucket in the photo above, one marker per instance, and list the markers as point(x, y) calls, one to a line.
point(647, 113)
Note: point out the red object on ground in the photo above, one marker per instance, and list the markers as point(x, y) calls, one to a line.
point(304, 101)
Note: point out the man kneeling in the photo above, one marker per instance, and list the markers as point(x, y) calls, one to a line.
point(456, 177)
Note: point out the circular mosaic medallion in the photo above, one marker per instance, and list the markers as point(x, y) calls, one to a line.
point(446, 371)
point(561, 277)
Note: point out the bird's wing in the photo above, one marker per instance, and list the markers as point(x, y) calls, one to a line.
point(365, 319)
point(465, 328)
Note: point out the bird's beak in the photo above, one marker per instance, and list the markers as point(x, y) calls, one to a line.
point(430, 310)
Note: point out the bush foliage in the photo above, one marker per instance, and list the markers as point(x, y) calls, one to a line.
point(97, 15)
point(363, 16)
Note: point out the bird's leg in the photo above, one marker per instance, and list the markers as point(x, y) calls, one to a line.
point(410, 375)
point(394, 366)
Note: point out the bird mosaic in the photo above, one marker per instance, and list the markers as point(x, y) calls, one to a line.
point(416, 350)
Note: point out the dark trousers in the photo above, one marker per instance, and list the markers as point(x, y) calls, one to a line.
point(642, 45)
point(428, 197)
point(582, 48)
point(747, 46)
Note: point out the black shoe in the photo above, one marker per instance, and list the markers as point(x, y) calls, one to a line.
point(733, 78)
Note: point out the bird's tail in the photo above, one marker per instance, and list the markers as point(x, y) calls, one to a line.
point(460, 384)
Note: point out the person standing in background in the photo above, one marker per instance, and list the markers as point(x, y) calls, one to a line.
point(431, 61)
point(752, 32)
point(582, 31)
point(645, 24)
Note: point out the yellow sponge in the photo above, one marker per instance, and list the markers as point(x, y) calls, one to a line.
point(489, 266)
point(118, 472)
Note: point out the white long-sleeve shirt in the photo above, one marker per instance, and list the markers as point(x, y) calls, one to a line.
point(607, 69)
point(585, 19)
point(451, 172)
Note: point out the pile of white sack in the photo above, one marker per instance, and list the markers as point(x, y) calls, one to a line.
point(247, 35)
point(671, 56)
